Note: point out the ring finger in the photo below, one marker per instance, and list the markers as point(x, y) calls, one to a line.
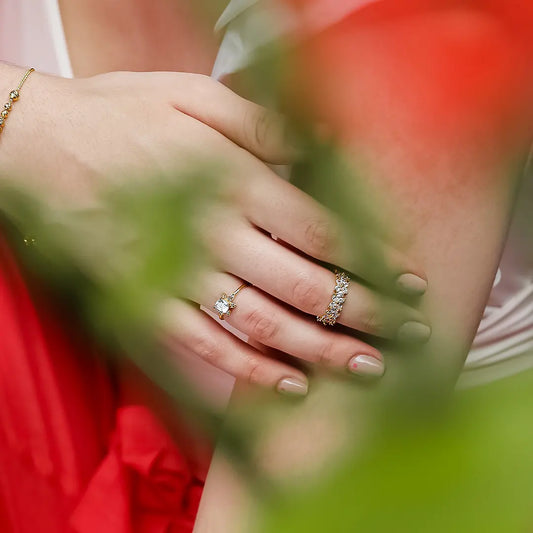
point(301, 283)
point(186, 331)
point(267, 321)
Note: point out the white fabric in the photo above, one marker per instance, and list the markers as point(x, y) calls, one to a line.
point(248, 29)
point(32, 35)
point(504, 341)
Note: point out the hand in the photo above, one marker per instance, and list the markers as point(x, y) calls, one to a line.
point(138, 122)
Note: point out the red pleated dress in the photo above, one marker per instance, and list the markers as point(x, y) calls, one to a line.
point(75, 455)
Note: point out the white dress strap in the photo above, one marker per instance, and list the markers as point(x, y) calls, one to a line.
point(32, 34)
point(250, 24)
point(58, 36)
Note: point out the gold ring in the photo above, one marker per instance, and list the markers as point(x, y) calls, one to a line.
point(330, 317)
point(225, 304)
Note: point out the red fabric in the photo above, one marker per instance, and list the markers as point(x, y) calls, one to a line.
point(72, 459)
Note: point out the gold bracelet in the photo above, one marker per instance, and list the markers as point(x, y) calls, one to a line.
point(13, 97)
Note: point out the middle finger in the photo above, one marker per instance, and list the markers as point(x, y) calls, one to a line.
point(258, 259)
point(265, 320)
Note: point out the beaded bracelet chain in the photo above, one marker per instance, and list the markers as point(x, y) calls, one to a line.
point(13, 97)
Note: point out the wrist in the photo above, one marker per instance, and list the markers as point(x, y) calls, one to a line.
point(14, 95)
point(18, 138)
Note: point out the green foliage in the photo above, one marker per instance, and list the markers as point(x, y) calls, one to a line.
point(113, 265)
point(467, 469)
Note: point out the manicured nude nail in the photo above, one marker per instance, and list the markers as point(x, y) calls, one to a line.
point(292, 387)
point(366, 365)
point(412, 284)
point(414, 332)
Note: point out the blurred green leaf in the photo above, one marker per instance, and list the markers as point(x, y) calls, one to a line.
point(468, 469)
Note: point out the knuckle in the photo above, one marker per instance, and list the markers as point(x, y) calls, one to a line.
point(261, 326)
point(308, 295)
point(202, 84)
point(370, 320)
point(258, 126)
point(326, 355)
point(202, 79)
point(255, 373)
point(208, 350)
point(319, 240)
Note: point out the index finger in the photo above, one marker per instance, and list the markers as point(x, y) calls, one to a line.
point(249, 125)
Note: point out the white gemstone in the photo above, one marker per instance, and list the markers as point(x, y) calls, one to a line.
point(222, 306)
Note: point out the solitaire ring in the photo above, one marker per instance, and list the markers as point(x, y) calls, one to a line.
point(225, 304)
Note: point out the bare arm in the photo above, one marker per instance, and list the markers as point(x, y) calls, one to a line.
point(446, 156)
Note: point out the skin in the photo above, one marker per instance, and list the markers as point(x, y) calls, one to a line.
point(189, 43)
point(96, 134)
point(461, 273)
point(448, 176)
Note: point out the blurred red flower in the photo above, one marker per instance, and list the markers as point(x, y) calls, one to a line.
point(420, 68)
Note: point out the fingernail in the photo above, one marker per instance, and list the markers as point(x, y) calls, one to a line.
point(414, 332)
point(366, 365)
point(412, 284)
point(292, 387)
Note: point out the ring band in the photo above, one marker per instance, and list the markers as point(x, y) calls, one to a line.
point(225, 304)
point(330, 317)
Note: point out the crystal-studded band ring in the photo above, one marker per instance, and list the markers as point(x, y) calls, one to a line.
point(225, 304)
point(330, 317)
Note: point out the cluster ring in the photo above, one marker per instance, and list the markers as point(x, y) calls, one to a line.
point(334, 309)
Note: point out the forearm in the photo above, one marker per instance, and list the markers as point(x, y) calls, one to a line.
point(447, 189)
point(28, 124)
point(293, 442)
point(299, 442)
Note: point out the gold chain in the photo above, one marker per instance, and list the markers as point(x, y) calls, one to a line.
point(14, 95)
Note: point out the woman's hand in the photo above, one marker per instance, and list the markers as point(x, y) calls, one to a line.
point(85, 132)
